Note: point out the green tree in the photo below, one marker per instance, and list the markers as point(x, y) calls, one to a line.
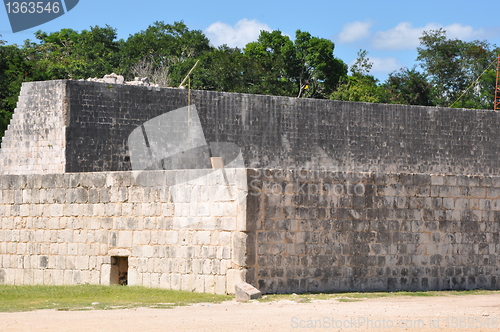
point(305, 67)
point(273, 54)
point(316, 66)
point(454, 65)
point(13, 71)
point(362, 65)
point(169, 48)
point(408, 87)
point(360, 86)
point(69, 54)
point(226, 69)
point(59, 55)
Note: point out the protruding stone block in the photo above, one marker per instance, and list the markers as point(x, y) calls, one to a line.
point(246, 292)
point(238, 256)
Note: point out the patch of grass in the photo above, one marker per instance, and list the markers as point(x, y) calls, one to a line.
point(88, 297)
point(349, 300)
point(351, 297)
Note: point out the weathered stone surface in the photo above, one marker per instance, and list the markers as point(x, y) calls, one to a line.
point(89, 130)
point(189, 252)
point(246, 292)
point(346, 196)
point(400, 236)
point(35, 141)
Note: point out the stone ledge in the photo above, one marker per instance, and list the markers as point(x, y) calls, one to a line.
point(246, 292)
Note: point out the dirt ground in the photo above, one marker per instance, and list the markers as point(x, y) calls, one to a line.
point(439, 313)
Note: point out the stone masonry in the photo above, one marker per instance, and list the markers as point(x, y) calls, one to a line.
point(314, 231)
point(324, 196)
point(64, 228)
point(94, 120)
point(36, 139)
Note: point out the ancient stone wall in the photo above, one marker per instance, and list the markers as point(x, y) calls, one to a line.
point(336, 196)
point(90, 122)
point(313, 231)
point(67, 228)
point(278, 132)
point(35, 141)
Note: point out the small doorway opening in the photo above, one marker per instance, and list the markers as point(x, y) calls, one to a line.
point(119, 270)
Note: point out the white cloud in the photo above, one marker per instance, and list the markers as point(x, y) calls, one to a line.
point(243, 32)
point(465, 32)
point(354, 31)
point(405, 36)
point(384, 65)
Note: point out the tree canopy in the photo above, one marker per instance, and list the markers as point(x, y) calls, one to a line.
point(275, 65)
point(454, 65)
point(409, 87)
point(452, 72)
point(360, 85)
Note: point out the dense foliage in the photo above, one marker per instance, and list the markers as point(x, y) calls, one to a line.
point(454, 73)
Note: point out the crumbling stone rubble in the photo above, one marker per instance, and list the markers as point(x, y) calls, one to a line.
point(119, 79)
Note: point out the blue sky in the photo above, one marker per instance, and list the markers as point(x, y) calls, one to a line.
point(388, 30)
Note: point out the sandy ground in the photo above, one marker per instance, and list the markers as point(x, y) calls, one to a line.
point(441, 313)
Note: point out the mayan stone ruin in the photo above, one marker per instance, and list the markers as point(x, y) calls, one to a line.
point(105, 183)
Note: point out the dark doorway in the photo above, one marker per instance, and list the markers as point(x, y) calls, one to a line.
point(119, 270)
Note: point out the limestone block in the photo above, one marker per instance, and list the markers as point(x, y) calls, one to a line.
point(164, 280)
point(18, 277)
point(203, 237)
point(200, 284)
point(229, 223)
point(22, 248)
point(28, 277)
point(230, 209)
point(120, 252)
point(246, 292)
point(94, 277)
point(80, 236)
point(52, 263)
point(38, 277)
point(72, 249)
point(25, 210)
point(238, 255)
point(105, 275)
point(60, 262)
point(437, 179)
point(188, 282)
point(93, 262)
point(175, 281)
point(226, 252)
point(203, 210)
point(155, 237)
point(220, 284)
point(207, 266)
point(217, 209)
point(155, 280)
point(147, 251)
point(150, 264)
point(234, 277)
point(124, 239)
point(171, 237)
point(209, 284)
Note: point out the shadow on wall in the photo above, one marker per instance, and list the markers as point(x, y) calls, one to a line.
point(175, 140)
